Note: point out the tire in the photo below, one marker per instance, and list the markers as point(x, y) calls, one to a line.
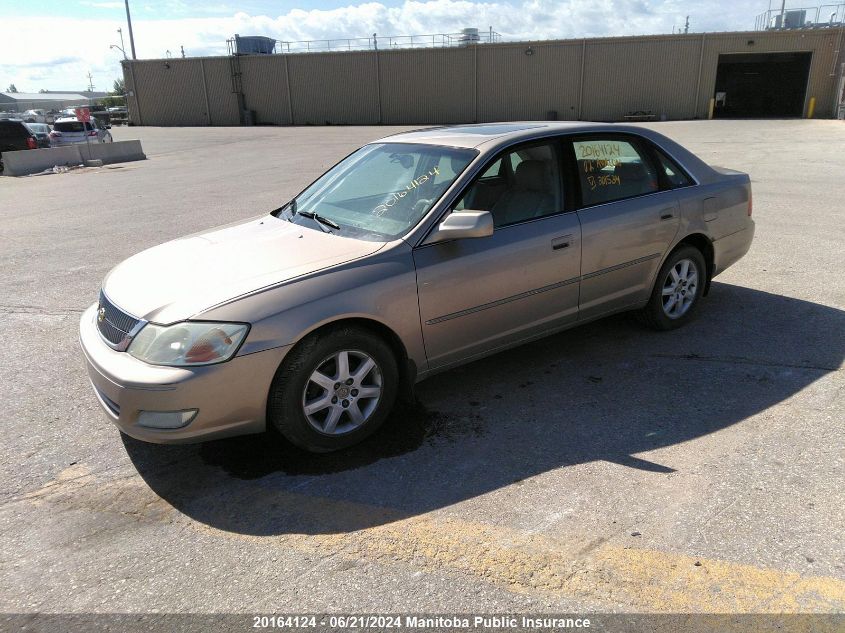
point(673, 310)
point(312, 404)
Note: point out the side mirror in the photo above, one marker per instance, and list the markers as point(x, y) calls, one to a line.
point(462, 225)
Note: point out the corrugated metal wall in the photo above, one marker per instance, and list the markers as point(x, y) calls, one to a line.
point(629, 75)
point(425, 85)
point(333, 88)
point(593, 79)
point(513, 85)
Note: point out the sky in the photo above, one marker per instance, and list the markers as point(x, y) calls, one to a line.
point(54, 44)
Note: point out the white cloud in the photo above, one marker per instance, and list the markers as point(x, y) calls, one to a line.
point(29, 59)
point(103, 5)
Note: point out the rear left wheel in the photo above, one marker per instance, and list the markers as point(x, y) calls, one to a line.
point(677, 291)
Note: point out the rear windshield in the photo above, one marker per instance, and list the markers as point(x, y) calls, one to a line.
point(13, 129)
point(71, 126)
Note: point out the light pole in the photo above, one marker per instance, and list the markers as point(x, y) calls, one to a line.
point(129, 22)
point(120, 48)
point(122, 45)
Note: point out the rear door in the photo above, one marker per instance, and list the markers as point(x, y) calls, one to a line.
point(477, 295)
point(628, 220)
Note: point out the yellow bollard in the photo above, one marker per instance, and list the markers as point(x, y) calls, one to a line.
point(710, 108)
point(811, 108)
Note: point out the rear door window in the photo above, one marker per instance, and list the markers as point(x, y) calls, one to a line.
point(612, 168)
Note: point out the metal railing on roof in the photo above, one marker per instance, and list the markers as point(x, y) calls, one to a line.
point(375, 42)
point(818, 17)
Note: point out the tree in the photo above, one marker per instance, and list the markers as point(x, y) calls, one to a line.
point(119, 87)
point(12, 88)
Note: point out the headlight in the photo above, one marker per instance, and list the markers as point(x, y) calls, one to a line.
point(188, 343)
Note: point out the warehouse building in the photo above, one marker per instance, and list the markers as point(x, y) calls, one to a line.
point(23, 101)
point(770, 73)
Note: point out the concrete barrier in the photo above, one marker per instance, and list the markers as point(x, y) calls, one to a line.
point(32, 161)
point(119, 152)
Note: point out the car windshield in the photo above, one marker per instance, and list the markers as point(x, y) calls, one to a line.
point(380, 191)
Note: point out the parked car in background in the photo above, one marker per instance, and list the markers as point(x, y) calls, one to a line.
point(42, 133)
point(14, 136)
point(416, 253)
point(70, 131)
point(35, 116)
point(102, 114)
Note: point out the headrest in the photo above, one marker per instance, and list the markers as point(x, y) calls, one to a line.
point(531, 174)
point(631, 171)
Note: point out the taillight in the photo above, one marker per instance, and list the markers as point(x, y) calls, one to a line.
point(750, 203)
point(31, 144)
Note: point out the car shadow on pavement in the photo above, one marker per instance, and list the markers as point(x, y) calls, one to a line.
point(608, 391)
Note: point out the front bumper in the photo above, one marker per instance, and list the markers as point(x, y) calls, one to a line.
point(231, 397)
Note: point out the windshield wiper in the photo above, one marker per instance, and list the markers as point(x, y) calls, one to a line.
point(319, 218)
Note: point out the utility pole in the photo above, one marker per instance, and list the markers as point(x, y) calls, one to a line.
point(129, 22)
point(90, 82)
point(183, 51)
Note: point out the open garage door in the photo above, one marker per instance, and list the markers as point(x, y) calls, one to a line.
point(761, 85)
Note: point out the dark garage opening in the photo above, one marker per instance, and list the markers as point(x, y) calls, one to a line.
point(761, 85)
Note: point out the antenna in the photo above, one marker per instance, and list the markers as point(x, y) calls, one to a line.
point(686, 26)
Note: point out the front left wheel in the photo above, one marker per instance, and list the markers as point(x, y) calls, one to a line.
point(334, 389)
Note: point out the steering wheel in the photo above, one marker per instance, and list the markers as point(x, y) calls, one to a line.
point(419, 206)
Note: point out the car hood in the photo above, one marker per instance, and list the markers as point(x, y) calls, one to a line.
point(178, 279)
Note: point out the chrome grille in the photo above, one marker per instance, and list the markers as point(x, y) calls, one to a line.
point(114, 324)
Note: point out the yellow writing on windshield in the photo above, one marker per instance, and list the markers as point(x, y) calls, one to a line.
point(383, 208)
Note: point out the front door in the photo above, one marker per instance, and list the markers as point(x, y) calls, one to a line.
point(477, 295)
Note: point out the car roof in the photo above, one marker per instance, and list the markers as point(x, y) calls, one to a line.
point(475, 135)
point(491, 137)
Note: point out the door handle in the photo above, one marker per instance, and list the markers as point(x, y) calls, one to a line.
point(667, 214)
point(561, 242)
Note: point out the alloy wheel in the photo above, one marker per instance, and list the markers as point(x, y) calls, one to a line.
point(680, 288)
point(342, 392)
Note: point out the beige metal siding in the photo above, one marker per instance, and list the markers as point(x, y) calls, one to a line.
point(132, 102)
point(222, 103)
point(264, 84)
point(425, 85)
point(629, 75)
point(170, 92)
point(514, 86)
point(334, 88)
point(673, 75)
